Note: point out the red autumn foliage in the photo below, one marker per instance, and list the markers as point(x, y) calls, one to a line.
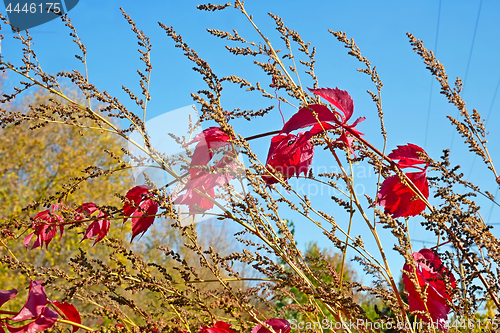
point(289, 154)
point(397, 198)
point(45, 226)
point(36, 309)
point(408, 155)
point(429, 271)
point(142, 205)
point(278, 325)
point(203, 178)
point(98, 227)
point(7, 295)
point(342, 101)
point(210, 139)
point(219, 327)
point(70, 312)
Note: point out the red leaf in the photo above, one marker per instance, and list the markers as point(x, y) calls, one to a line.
point(407, 155)
point(210, 139)
point(196, 202)
point(205, 181)
point(304, 117)
point(399, 200)
point(211, 134)
point(339, 98)
point(35, 304)
point(99, 228)
point(89, 208)
point(148, 206)
point(219, 327)
point(141, 224)
point(45, 227)
point(430, 271)
point(342, 101)
point(202, 179)
point(290, 155)
point(45, 320)
point(133, 195)
point(278, 325)
point(70, 312)
point(7, 295)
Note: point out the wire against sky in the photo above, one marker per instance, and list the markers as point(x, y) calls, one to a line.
point(432, 77)
point(468, 64)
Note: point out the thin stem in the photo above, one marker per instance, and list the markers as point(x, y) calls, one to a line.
point(63, 321)
point(276, 58)
point(146, 97)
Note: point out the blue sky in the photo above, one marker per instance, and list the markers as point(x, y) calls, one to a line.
point(415, 112)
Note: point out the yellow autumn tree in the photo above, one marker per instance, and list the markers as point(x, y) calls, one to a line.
point(38, 162)
point(41, 161)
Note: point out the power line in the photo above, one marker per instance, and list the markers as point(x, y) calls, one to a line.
point(473, 40)
point(486, 120)
point(491, 209)
point(432, 78)
point(468, 62)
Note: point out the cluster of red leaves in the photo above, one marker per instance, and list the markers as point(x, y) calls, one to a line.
point(139, 207)
point(203, 178)
point(292, 155)
point(46, 223)
point(97, 228)
point(431, 272)
point(37, 309)
point(396, 197)
point(278, 325)
point(45, 226)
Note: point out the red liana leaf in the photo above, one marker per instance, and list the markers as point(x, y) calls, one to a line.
point(45, 226)
point(219, 327)
point(342, 101)
point(210, 139)
point(429, 271)
point(89, 208)
point(202, 178)
point(407, 155)
point(141, 224)
point(398, 199)
point(278, 325)
point(304, 117)
point(211, 134)
point(133, 195)
point(205, 181)
point(35, 304)
point(45, 320)
point(7, 295)
point(196, 202)
point(289, 154)
point(99, 228)
point(139, 195)
point(339, 98)
point(70, 312)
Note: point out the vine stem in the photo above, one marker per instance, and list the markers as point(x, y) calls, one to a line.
point(63, 321)
point(75, 324)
